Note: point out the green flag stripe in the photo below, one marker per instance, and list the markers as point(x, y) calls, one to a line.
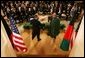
point(65, 45)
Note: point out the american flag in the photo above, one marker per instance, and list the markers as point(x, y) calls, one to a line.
point(16, 38)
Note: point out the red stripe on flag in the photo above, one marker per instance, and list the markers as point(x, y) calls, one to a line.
point(18, 45)
point(11, 40)
point(15, 43)
point(17, 37)
point(68, 33)
point(20, 49)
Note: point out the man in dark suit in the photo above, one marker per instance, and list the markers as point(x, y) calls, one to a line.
point(36, 26)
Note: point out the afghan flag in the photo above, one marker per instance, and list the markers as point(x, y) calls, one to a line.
point(67, 37)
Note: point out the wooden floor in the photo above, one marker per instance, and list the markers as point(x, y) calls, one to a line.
point(45, 47)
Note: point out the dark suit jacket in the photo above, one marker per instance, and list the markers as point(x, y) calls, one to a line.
point(36, 25)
